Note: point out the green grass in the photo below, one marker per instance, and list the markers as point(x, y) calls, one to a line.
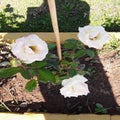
point(113, 45)
point(20, 6)
point(106, 13)
point(34, 16)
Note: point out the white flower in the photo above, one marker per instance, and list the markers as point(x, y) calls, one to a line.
point(93, 36)
point(30, 49)
point(75, 86)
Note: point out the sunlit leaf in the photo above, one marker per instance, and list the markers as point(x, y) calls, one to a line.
point(90, 53)
point(25, 73)
point(64, 77)
point(37, 64)
point(32, 72)
point(8, 72)
point(80, 53)
point(31, 85)
point(46, 76)
point(70, 44)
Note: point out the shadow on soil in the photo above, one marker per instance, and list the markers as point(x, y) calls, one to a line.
point(71, 15)
point(100, 92)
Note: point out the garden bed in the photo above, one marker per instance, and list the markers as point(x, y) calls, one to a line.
point(103, 83)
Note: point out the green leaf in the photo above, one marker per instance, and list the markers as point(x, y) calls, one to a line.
point(46, 75)
point(64, 77)
point(8, 72)
point(100, 109)
point(37, 64)
point(54, 64)
point(72, 72)
point(74, 41)
point(70, 44)
point(48, 56)
point(74, 65)
point(68, 54)
point(32, 72)
point(31, 85)
point(80, 53)
point(65, 62)
point(90, 53)
point(51, 46)
point(99, 105)
point(25, 73)
point(51, 56)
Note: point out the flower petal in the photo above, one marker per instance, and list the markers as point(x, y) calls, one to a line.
point(75, 86)
point(30, 49)
point(94, 37)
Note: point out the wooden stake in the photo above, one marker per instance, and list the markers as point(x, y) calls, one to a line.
point(52, 8)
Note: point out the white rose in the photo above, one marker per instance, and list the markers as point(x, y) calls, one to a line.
point(93, 36)
point(30, 49)
point(75, 86)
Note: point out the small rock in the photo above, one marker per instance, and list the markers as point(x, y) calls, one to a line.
point(23, 104)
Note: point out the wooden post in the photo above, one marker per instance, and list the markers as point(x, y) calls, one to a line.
point(52, 8)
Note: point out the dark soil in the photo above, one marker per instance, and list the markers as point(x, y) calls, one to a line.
point(104, 86)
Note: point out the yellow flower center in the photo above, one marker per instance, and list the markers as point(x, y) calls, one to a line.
point(94, 37)
point(33, 48)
